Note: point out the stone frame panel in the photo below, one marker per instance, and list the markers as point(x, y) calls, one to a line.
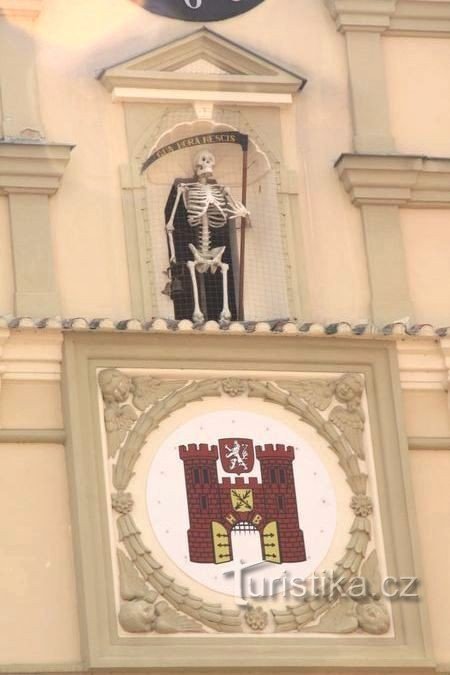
point(376, 359)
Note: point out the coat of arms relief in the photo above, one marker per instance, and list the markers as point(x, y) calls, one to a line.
point(238, 481)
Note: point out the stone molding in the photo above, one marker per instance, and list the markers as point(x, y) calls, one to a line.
point(424, 365)
point(396, 180)
point(32, 352)
point(30, 356)
point(417, 18)
point(367, 15)
point(429, 443)
point(29, 9)
point(33, 436)
point(32, 168)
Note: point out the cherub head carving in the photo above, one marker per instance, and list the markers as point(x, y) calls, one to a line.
point(204, 164)
point(137, 616)
point(115, 385)
point(349, 389)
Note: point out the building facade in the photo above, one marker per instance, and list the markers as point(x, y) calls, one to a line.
point(224, 221)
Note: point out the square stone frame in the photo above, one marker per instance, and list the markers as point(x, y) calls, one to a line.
point(265, 354)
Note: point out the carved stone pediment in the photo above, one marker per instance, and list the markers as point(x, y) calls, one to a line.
point(203, 60)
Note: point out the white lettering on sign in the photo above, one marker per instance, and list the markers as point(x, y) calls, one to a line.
point(196, 4)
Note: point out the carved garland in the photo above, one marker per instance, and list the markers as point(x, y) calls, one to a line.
point(127, 433)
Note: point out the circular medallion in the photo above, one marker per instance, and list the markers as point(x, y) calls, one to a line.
point(235, 487)
point(199, 10)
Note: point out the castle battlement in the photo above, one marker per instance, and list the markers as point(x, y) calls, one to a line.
point(277, 452)
point(201, 451)
point(240, 483)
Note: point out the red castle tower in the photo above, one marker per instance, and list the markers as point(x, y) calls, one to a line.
point(216, 509)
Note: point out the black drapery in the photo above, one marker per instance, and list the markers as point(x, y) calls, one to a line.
point(181, 286)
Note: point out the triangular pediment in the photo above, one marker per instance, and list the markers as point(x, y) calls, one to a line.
point(202, 60)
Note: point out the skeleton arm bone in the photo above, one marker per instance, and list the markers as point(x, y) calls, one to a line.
point(181, 189)
point(239, 210)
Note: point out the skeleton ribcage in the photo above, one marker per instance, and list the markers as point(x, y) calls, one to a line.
point(210, 200)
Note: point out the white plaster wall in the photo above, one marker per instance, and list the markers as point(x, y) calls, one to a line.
point(417, 76)
point(426, 236)
point(78, 39)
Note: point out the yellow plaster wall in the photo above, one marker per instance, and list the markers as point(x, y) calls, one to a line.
point(426, 236)
point(38, 619)
point(77, 40)
point(417, 77)
point(6, 271)
point(431, 476)
point(30, 405)
point(426, 413)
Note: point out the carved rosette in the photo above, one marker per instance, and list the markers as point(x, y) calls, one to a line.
point(135, 406)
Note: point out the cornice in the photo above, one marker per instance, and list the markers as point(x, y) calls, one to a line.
point(29, 9)
point(397, 331)
point(31, 350)
point(367, 15)
point(35, 168)
point(419, 18)
point(400, 180)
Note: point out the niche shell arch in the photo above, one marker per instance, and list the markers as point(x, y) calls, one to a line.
point(266, 269)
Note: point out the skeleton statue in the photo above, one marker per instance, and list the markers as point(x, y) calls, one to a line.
point(209, 207)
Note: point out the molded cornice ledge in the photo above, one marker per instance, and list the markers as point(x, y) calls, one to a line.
point(21, 8)
point(29, 356)
point(415, 182)
point(32, 168)
point(420, 18)
point(367, 15)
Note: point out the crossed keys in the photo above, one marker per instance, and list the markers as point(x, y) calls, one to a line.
point(242, 500)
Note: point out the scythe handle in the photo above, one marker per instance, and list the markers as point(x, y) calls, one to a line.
point(241, 311)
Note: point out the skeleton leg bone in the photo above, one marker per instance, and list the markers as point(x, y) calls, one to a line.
point(197, 316)
point(225, 315)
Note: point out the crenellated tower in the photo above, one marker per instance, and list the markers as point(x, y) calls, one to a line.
point(203, 496)
point(278, 483)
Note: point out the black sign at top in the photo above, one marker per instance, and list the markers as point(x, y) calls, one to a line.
point(199, 10)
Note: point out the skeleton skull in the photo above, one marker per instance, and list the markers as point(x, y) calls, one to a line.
point(204, 163)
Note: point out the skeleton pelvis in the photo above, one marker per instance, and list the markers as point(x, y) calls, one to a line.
point(208, 260)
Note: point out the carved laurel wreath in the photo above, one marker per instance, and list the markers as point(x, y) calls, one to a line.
point(128, 427)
